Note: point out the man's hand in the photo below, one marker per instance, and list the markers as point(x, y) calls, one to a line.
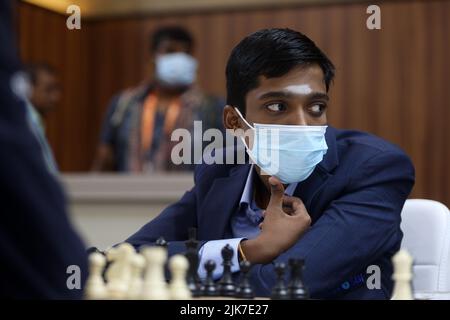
point(285, 221)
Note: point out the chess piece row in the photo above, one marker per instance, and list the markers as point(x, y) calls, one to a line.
point(123, 273)
point(132, 275)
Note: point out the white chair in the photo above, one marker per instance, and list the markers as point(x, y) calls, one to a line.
point(426, 228)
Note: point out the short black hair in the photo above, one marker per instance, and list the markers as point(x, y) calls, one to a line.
point(176, 33)
point(270, 53)
point(33, 69)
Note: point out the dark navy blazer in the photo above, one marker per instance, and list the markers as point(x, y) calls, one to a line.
point(354, 197)
point(37, 241)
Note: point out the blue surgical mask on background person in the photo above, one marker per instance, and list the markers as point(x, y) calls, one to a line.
point(288, 152)
point(176, 69)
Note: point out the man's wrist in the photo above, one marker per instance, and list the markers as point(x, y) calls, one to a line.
point(257, 251)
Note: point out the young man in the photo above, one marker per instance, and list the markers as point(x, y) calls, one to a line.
point(136, 134)
point(334, 200)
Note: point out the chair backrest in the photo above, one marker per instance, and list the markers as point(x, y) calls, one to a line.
point(426, 228)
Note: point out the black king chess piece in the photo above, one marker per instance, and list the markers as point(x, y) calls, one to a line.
point(245, 291)
point(209, 288)
point(296, 289)
point(226, 284)
point(192, 278)
point(279, 291)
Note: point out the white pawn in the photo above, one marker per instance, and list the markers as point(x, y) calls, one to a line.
point(402, 276)
point(95, 286)
point(136, 282)
point(119, 274)
point(155, 286)
point(179, 289)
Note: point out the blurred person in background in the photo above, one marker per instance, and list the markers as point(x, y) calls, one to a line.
point(136, 133)
point(45, 89)
point(43, 97)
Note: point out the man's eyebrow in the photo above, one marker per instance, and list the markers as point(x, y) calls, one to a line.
point(289, 95)
point(276, 95)
point(318, 95)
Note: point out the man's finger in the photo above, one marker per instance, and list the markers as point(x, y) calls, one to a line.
point(288, 210)
point(295, 203)
point(292, 202)
point(276, 193)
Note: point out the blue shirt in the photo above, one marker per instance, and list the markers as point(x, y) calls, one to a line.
point(244, 225)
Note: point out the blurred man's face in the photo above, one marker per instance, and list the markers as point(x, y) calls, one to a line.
point(175, 68)
point(46, 92)
point(171, 46)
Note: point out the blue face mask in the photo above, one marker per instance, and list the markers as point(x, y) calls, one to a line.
point(176, 69)
point(287, 152)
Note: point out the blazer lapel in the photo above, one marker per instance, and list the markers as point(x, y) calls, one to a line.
point(221, 202)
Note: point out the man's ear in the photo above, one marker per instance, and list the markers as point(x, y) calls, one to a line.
point(231, 118)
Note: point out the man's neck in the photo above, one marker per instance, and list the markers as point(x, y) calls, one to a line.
point(167, 93)
point(261, 188)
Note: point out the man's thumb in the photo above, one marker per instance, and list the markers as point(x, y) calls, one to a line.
point(276, 193)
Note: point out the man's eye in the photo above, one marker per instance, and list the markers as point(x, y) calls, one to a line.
point(276, 107)
point(317, 109)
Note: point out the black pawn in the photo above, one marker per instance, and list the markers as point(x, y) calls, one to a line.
point(297, 290)
point(192, 278)
point(280, 292)
point(161, 242)
point(226, 284)
point(94, 249)
point(244, 290)
point(209, 288)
